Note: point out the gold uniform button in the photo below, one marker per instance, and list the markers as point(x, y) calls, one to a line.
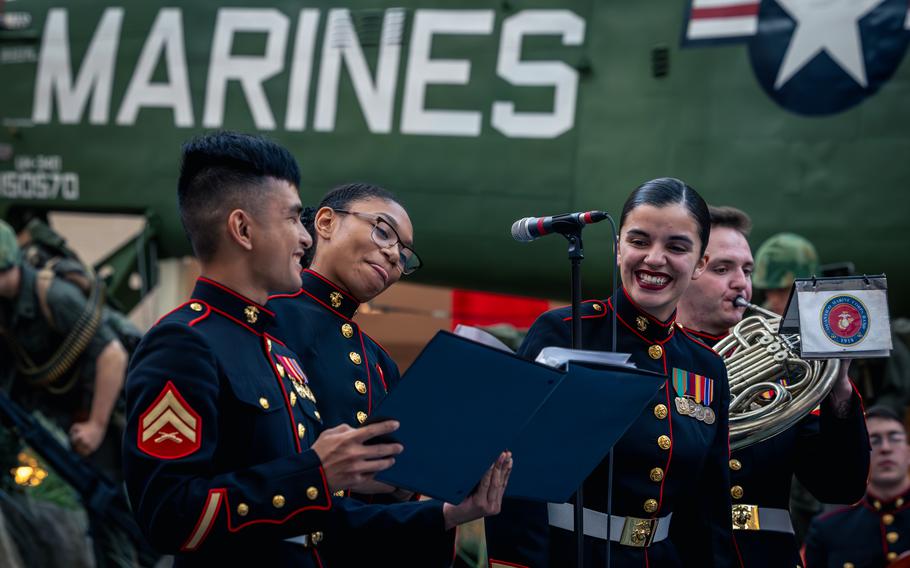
point(877, 504)
point(196, 307)
point(301, 430)
point(293, 398)
point(278, 501)
point(264, 402)
point(316, 537)
point(243, 509)
point(664, 442)
point(598, 307)
point(892, 537)
point(655, 351)
point(656, 474)
point(892, 556)
point(735, 464)
point(887, 518)
point(360, 387)
point(312, 493)
point(899, 502)
point(347, 330)
point(650, 505)
point(736, 492)
point(660, 411)
point(355, 357)
point(280, 370)
point(361, 416)
point(339, 493)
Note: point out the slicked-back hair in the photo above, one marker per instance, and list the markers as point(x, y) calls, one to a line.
point(662, 192)
point(341, 197)
point(730, 218)
point(223, 171)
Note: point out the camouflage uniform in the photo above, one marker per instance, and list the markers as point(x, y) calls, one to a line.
point(25, 331)
point(782, 259)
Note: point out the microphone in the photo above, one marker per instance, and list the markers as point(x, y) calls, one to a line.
point(530, 228)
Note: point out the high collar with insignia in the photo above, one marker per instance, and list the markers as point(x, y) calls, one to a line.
point(643, 323)
point(238, 308)
point(882, 506)
point(328, 294)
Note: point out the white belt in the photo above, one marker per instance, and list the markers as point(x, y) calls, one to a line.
point(755, 518)
point(306, 540)
point(630, 531)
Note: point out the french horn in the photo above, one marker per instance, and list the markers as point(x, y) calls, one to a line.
point(771, 387)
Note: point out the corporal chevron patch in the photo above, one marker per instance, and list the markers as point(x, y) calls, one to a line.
point(169, 428)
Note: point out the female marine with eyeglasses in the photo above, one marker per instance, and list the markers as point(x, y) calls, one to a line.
point(362, 244)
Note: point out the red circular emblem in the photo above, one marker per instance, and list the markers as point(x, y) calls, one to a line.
point(845, 320)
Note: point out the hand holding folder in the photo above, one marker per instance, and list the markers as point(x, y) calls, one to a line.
point(461, 403)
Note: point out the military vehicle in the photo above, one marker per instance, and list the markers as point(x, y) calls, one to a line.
point(476, 114)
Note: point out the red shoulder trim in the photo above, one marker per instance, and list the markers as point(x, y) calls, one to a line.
point(697, 341)
point(837, 511)
point(293, 295)
point(205, 314)
point(178, 308)
point(606, 309)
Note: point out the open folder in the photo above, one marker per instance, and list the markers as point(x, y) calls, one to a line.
point(461, 403)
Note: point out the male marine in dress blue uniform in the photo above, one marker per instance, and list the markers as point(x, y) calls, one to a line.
point(876, 531)
point(670, 500)
point(832, 439)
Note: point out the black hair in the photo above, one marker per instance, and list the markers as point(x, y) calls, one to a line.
point(883, 412)
point(731, 218)
point(341, 197)
point(662, 192)
point(223, 171)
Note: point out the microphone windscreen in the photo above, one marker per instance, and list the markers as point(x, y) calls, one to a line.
point(520, 231)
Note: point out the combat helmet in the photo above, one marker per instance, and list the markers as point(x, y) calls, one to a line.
point(783, 258)
point(9, 247)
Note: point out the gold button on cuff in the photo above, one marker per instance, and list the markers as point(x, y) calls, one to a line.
point(655, 351)
point(598, 307)
point(736, 492)
point(355, 357)
point(887, 518)
point(243, 509)
point(650, 505)
point(735, 464)
point(892, 556)
point(660, 411)
point(664, 442)
point(278, 501)
point(301, 430)
point(293, 398)
point(361, 416)
point(656, 474)
point(264, 402)
point(892, 537)
point(347, 330)
point(360, 387)
point(196, 307)
point(312, 493)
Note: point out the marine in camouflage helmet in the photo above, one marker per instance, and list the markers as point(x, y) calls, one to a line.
point(783, 258)
point(9, 247)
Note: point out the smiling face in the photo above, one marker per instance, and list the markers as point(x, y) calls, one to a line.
point(347, 254)
point(659, 252)
point(279, 238)
point(708, 303)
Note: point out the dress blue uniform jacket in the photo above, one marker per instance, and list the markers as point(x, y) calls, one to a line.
point(217, 453)
point(350, 375)
point(689, 477)
point(869, 534)
point(829, 456)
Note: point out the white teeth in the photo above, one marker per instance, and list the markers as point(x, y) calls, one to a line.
point(655, 280)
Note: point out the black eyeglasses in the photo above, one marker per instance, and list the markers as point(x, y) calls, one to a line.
point(384, 235)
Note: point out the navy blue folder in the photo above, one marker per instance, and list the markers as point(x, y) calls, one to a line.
point(461, 403)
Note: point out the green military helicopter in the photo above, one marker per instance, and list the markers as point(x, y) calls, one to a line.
point(476, 114)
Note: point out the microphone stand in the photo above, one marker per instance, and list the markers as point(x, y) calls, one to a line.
point(576, 254)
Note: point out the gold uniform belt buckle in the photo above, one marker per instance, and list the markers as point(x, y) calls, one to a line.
point(638, 532)
point(745, 517)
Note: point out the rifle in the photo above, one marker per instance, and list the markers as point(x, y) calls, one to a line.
point(102, 498)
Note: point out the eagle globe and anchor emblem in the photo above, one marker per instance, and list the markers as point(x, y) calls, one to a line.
point(812, 57)
point(845, 320)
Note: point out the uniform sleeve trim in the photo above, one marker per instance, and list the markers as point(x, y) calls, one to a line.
point(326, 507)
point(206, 519)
